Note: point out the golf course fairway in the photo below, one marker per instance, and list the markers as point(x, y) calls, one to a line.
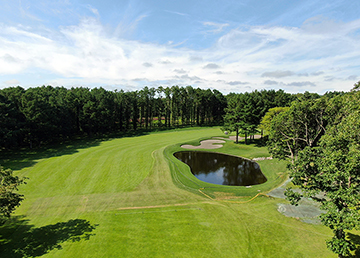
point(129, 197)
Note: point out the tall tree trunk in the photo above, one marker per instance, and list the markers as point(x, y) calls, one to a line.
point(340, 234)
point(147, 117)
point(237, 136)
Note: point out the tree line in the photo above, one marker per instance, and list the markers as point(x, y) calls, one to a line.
point(40, 115)
point(37, 116)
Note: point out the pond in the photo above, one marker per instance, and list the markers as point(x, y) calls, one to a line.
point(221, 169)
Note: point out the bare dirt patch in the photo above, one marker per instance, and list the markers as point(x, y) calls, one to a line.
point(307, 211)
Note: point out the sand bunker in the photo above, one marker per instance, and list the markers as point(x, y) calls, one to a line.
point(207, 144)
point(214, 144)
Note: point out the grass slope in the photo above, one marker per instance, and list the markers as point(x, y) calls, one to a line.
point(132, 202)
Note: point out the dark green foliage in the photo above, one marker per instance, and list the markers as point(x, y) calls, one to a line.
point(235, 117)
point(333, 169)
point(245, 110)
point(9, 198)
point(46, 113)
point(12, 120)
point(301, 125)
point(292, 196)
point(41, 115)
point(321, 138)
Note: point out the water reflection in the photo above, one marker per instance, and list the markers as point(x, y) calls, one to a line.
point(222, 169)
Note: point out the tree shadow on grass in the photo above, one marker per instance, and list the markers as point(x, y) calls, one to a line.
point(19, 239)
point(261, 142)
point(22, 158)
point(18, 159)
point(355, 239)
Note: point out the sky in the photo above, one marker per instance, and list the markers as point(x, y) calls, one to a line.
point(228, 45)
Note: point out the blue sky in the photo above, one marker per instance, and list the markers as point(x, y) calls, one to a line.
point(232, 46)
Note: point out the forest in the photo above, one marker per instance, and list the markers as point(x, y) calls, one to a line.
point(41, 115)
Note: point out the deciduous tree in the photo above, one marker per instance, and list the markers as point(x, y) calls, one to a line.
point(269, 115)
point(333, 169)
point(300, 126)
point(329, 171)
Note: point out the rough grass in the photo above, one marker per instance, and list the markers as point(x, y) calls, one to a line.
point(137, 204)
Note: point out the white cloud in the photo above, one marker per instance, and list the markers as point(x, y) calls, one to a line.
point(9, 59)
point(329, 78)
point(196, 58)
point(12, 82)
point(237, 83)
point(211, 66)
point(290, 44)
point(178, 13)
point(217, 27)
point(146, 64)
point(17, 33)
point(270, 82)
point(278, 74)
point(301, 84)
point(352, 77)
point(303, 74)
point(94, 11)
point(317, 73)
point(26, 13)
point(180, 71)
point(92, 54)
point(139, 79)
point(130, 20)
point(164, 62)
point(186, 77)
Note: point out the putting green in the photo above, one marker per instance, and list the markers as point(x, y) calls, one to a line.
point(139, 205)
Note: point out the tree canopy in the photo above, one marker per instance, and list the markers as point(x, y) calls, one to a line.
point(321, 139)
point(9, 198)
point(40, 115)
point(245, 110)
point(269, 115)
point(301, 125)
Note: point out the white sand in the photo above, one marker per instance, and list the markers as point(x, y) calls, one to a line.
point(214, 144)
point(207, 144)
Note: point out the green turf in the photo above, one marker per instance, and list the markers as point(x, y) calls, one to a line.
point(97, 183)
point(274, 170)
